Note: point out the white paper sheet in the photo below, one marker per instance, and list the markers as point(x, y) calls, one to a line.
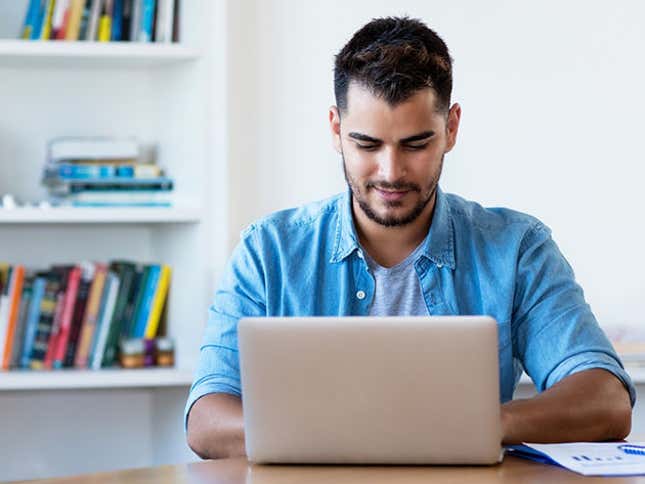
point(590, 459)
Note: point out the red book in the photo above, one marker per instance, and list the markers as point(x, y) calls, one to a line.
point(66, 317)
point(55, 334)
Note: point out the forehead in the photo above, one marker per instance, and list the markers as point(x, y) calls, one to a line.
point(372, 115)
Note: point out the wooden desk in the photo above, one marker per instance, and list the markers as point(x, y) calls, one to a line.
point(238, 471)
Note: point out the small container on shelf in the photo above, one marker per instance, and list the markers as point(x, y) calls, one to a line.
point(132, 354)
point(165, 352)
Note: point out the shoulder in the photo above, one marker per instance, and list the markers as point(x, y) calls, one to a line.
point(297, 221)
point(466, 213)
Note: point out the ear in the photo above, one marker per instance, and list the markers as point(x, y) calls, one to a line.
point(452, 126)
point(334, 124)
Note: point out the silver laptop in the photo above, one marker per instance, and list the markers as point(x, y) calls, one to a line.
point(368, 390)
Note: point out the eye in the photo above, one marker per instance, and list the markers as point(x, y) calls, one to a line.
point(416, 147)
point(368, 147)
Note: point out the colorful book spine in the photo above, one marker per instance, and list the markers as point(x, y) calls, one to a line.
point(165, 17)
point(117, 22)
point(71, 293)
point(45, 322)
point(93, 21)
point(105, 21)
point(73, 29)
point(87, 275)
point(33, 317)
point(106, 314)
point(127, 275)
point(147, 20)
point(91, 316)
point(46, 29)
point(55, 333)
point(31, 18)
point(19, 337)
point(158, 303)
point(58, 19)
point(15, 295)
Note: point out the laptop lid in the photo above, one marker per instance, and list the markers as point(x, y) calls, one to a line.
point(371, 390)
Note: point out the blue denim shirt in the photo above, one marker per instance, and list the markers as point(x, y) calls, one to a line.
point(475, 261)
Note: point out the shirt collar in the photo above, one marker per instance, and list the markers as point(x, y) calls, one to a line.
point(438, 246)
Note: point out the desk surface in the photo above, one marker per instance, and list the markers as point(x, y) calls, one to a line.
point(234, 471)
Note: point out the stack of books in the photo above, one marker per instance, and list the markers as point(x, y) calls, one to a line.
point(103, 172)
point(102, 20)
point(77, 315)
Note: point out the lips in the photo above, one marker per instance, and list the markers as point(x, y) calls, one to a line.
point(391, 196)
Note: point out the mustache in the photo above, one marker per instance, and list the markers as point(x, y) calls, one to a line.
point(398, 185)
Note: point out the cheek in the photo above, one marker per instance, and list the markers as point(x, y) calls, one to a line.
point(360, 165)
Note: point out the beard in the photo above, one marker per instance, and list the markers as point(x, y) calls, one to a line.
point(426, 192)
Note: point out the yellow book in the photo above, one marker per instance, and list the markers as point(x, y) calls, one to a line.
point(158, 303)
point(75, 15)
point(47, 26)
point(105, 28)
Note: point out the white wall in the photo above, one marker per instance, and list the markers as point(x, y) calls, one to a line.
point(552, 103)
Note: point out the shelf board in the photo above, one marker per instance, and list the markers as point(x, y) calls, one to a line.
point(637, 373)
point(25, 53)
point(67, 215)
point(88, 379)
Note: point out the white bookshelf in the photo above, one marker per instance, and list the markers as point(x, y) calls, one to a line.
point(172, 96)
point(23, 53)
point(65, 215)
point(90, 379)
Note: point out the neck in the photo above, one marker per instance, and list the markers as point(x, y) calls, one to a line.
point(390, 245)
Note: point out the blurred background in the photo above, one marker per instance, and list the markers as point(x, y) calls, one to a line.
point(234, 108)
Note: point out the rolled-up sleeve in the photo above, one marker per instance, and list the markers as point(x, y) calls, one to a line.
point(555, 333)
point(241, 293)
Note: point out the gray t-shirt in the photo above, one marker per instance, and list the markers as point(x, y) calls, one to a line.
point(398, 290)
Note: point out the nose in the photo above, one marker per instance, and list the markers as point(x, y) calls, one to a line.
point(391, 165)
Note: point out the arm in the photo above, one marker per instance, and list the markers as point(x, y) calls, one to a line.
point(588, 406)
point(216, 427)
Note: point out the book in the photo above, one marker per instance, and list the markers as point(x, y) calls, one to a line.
point(176, 23)
point(126, 271)
point(158, 303)
point(90, 317)
point(105, 21)
point(148, 8)
point(126, 21)
point(71, 293)
point(33, 316)
point(5, 303)
point(58, 19)
point(45, 321)
point(31, 19)
point(116, 33)
point(74, 23)
point(85, 20)
point(164, 21)
point(87, 276)
point(106, 315)
point(15, 295)
point(135, 19)
point(55, 332)
point(19, 336)
point(88, 148)
point(93, 21)
point(46, 28)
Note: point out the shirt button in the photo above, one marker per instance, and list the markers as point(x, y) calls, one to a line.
point(360, 295)
point(439, 265)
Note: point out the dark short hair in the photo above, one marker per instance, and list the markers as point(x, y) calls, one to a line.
point(394, 57)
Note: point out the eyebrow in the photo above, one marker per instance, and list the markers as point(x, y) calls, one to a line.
point(409, 139)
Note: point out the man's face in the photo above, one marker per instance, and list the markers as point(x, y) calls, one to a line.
point(393, 155)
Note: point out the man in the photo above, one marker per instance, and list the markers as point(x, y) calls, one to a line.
point(395, 244)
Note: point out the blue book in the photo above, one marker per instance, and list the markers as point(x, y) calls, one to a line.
point(30, 18)
point(33, 316)
point(117, 21)
point(141, 321)
point(147, 20)
point(38, 20)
